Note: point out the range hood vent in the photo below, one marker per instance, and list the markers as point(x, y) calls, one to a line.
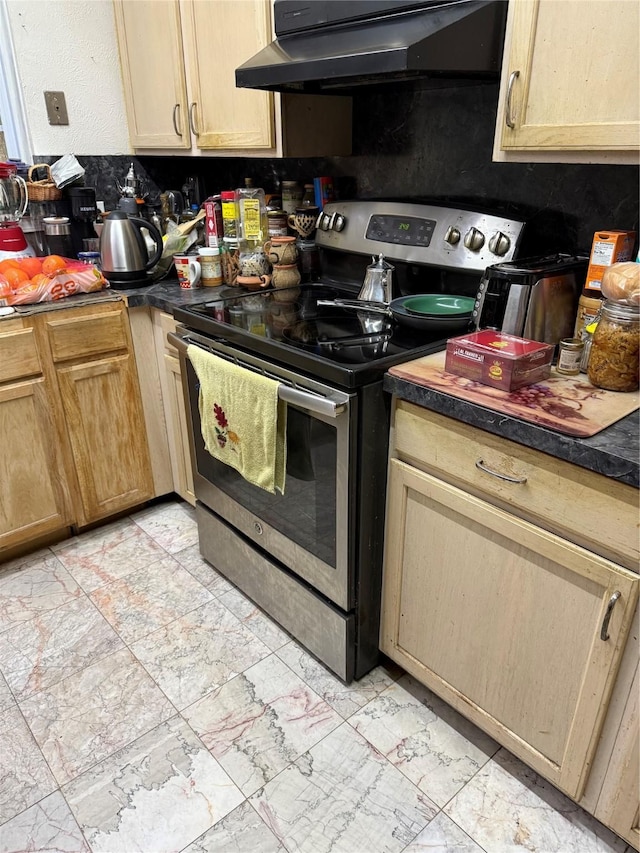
point(327, 45)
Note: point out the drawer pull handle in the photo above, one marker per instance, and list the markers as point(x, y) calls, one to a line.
point(604, 631)
point(482, 467)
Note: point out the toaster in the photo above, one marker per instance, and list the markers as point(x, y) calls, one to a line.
point(533, 298)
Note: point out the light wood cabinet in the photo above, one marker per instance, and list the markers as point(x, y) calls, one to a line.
point(71, 421)
point(178, 60)
point(34, 500)
point(174, 407)
point(570, 87)
point(95, 372)
point(498, 615)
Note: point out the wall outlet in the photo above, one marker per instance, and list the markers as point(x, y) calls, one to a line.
point(56, 108)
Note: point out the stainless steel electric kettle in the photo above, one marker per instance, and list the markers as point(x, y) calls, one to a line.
point(125, 259)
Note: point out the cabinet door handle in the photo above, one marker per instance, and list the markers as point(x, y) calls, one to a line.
point(604, 631)
point(482, 467)
point(192, 110)
point(175, 120)
point(508, 115)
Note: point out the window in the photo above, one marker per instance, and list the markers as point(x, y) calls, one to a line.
point(14, 132)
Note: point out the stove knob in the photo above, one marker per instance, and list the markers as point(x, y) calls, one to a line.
point(326, 221)
point(499, 244)
point(474, 239)
point(452, 236)
point(339, 222)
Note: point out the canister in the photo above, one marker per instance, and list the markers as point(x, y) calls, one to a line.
point(230, 259)
point(211, 267)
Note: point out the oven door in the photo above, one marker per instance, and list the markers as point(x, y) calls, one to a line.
point(310, 529)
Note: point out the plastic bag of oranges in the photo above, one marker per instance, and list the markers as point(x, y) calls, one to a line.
point(27, 280)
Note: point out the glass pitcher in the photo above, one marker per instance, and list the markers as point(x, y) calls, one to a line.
point(13, 194)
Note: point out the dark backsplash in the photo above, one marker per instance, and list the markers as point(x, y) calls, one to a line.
point(418, 142)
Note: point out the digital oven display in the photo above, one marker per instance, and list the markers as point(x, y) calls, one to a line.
point(402, 230)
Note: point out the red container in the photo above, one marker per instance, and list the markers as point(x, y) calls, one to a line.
point(499, 360)
point(213, 222)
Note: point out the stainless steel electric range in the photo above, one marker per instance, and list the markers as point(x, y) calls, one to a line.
point(312, 557)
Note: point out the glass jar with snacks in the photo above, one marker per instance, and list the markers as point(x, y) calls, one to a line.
point(613, 361)
point(230, 260)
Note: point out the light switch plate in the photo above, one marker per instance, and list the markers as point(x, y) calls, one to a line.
point(56, 107)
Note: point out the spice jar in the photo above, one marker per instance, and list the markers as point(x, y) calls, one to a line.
point(230, 215)
point(569, 356)
point(613, 362)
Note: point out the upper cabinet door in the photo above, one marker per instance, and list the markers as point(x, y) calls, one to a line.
point(570, 77)
point(150, 40)
point(218, 37)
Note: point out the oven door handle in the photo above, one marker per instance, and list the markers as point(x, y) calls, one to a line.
point(314, 403)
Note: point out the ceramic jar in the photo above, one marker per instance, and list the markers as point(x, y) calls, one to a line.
point(281, 250)
point(304, 221)
point(286, 275)
point(254, 282)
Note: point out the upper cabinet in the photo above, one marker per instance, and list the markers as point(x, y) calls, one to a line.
point(570, 88)
point(178, 62)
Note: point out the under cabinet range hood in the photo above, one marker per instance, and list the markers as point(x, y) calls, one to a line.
point(326, 45)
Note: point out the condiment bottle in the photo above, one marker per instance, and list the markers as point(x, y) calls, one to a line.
point(253, 216)
point(291, 196)
point(613, 361)
point(308, 197)
point(569, 356)
point(588, 306)
point(229, 204)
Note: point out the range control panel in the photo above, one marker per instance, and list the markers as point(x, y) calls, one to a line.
point(427, 234)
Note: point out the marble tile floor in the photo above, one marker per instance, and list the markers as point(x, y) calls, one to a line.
point(147, 705)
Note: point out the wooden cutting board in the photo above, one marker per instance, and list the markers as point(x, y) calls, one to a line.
point(567, 404)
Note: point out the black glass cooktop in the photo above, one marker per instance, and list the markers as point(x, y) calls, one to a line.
point(344, 346)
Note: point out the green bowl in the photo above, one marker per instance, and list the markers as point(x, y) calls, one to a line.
point(437, 305)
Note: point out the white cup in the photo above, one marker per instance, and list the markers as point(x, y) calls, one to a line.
point(188, 270)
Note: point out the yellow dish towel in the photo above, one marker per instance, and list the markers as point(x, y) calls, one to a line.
point(243, 422)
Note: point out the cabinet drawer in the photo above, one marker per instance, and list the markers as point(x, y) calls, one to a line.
point(18, 355)
point(89, 334)
point(587, 508)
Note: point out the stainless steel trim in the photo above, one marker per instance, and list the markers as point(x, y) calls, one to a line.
point(175, 123)
point(508, 115)
point(325, 632)
point(604, 631)
point(323, 402)
point(482, 467)
point(191, 119)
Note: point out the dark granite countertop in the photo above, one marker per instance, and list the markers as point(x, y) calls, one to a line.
point(613, 452)
point(168, 295)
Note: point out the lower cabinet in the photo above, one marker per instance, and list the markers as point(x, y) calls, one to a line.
point(518, 628)
point(71, 423)
point(174, 407)
point(105, 421)
point(34, 500)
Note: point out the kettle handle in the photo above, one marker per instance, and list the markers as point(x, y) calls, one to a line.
point(157, 237)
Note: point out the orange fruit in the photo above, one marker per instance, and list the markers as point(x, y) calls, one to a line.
point(5, 288)
point(53, 264)
point(32, 266)
point(8, 264)
point(15, 277)
point(40, 279)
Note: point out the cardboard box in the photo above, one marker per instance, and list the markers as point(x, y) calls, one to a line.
point(608, 247)
point(500, 360)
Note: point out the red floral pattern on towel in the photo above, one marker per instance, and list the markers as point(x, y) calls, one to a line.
point(222, 432)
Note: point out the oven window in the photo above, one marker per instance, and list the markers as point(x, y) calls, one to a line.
point(306, 513)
